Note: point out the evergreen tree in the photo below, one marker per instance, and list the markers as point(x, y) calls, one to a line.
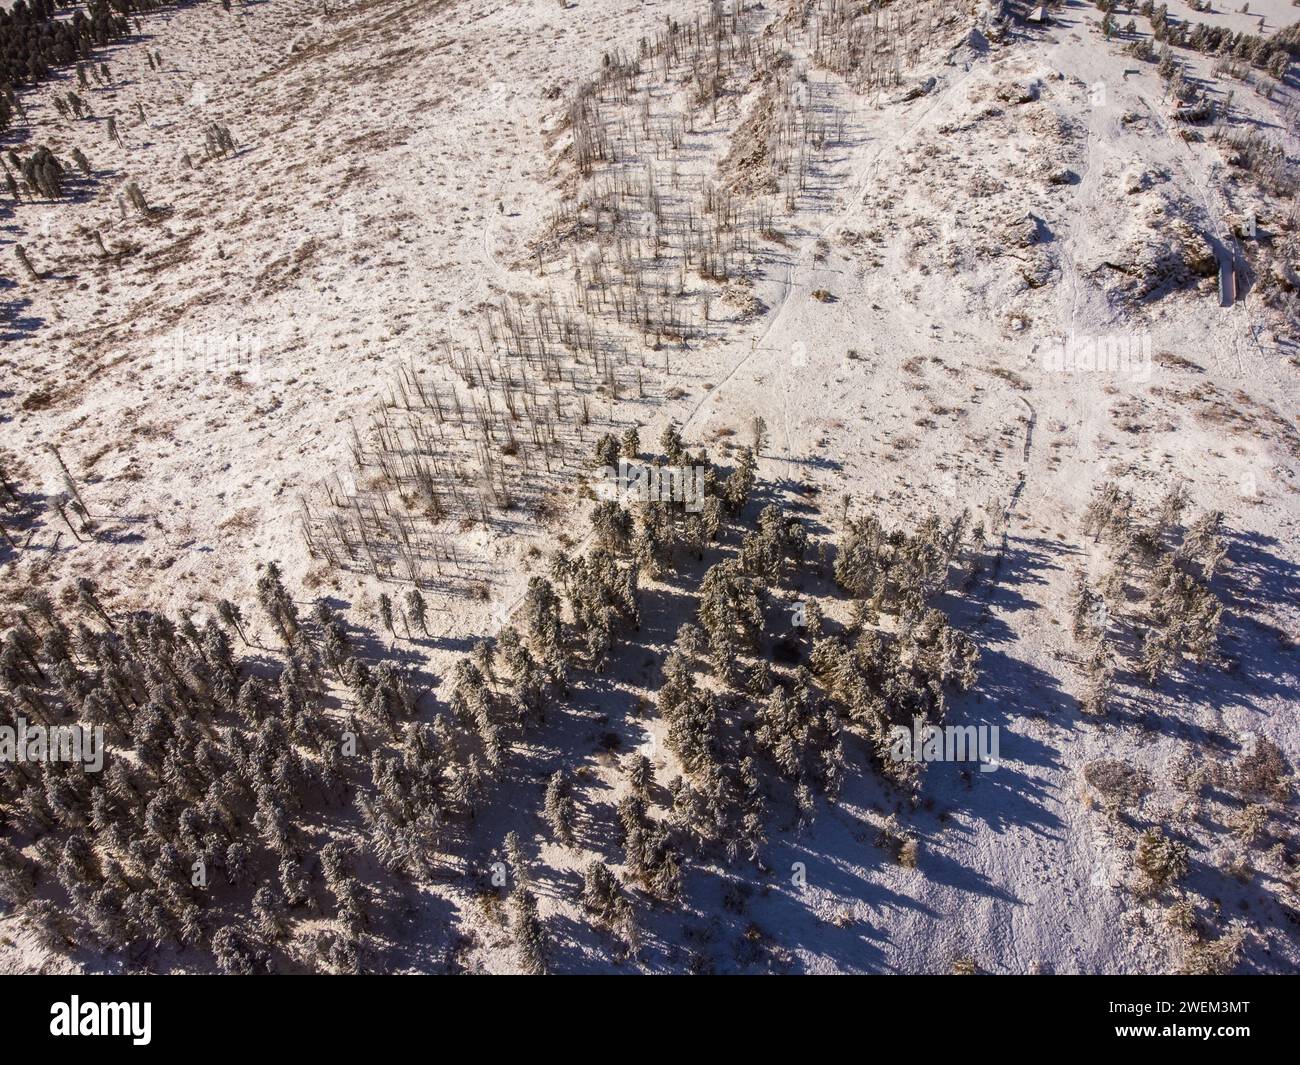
point(630, 448)
point(560, 809)
point(417, 609)
point(527, 931)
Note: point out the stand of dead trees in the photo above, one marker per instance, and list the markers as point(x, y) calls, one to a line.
point(659, 257)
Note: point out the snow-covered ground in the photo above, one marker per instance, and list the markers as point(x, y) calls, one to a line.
point(396, 165)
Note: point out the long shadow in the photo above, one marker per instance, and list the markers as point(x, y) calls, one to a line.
point(17, 323)
point(1261, 660)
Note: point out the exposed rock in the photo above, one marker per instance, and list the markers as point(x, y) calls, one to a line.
point(1197, 252)
point(1118, 783)
point(747, 166)
point(1020, 231)
point(912, 92)
point(1199, 111)
point(1139, 179)
point(1038, 269)
point(1285, 274)
point(1021, 91)
point(1157, 253)
point(994, 19)
point(1059, 175)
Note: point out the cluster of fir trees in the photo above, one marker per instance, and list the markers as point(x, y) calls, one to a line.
point(750, 738)
point(34, 41)
point(41, 173)
point(1159, 587)
point(1273, 54)
point(755, 726)
point(659, 534)
point(203, 832)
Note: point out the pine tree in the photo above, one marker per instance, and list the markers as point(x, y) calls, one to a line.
point(602, 897)
point(1157, 655)
point(671, 442)
point(1083, 605)
point(416, 607)
point(235, 956)
point(1167, 67)
point(232, 617)
point(1097, 693)
point(631, 444)
point(88, 600)
point(516, 859)
point(559, 808)
point(527, 931)
point(607, 449)
point(640, 775)
point(740, 482)
point(269, 914)
point(386, 613)
point(1161, 860)
point(541, 614)
point(611, 526)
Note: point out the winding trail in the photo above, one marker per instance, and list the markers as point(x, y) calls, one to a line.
point(861, 185)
